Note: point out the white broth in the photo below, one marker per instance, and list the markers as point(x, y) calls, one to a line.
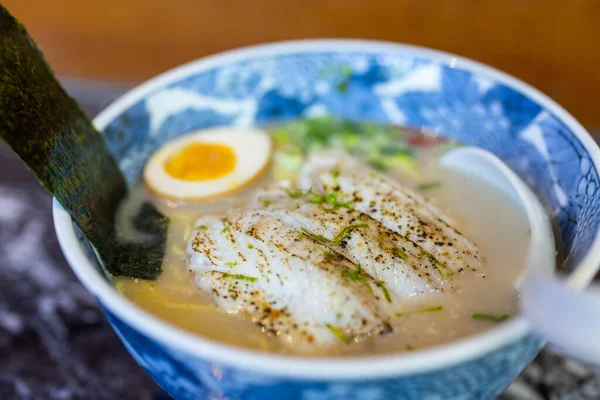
point(480, 212)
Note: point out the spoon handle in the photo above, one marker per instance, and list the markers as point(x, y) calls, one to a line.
point(568, 319)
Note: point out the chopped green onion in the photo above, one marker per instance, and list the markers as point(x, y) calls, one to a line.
point(225, 230)
point(392, 150)
point(489, 317)
point(281, 136)
point(423, 310)
point(330, 199)
point(328, 255)
point(433, 309)
point(406, 164)
point(398, 252)
point(203, 227)
point(358, 276)
point(250, 246)
point(239, 277)
point(267, 203)
point(386, 294)
point(339, 333)
point(443, 271)
point(378, 165)
point(231, 263)
point(350, 139)
point(429, 185)
point(296, 194)
point(337, 240)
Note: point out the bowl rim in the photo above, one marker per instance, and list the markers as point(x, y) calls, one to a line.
point(298, 367)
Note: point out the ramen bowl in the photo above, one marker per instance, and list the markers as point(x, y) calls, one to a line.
point(365, 81)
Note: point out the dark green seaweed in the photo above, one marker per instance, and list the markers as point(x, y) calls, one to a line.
point(58, 142)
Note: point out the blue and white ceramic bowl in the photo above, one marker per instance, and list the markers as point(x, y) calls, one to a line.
point(382, 82)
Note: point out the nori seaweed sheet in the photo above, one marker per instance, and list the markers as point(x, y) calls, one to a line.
point(57, 141)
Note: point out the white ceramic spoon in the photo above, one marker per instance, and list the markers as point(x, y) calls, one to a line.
point(566, 318)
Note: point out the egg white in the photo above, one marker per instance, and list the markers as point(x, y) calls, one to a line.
point(252, 148)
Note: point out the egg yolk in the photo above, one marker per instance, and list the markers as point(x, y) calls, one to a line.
point(201, 162)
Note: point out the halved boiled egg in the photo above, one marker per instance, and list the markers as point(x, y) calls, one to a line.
point(208, 163)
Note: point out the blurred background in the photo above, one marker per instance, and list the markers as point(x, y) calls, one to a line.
point(54, 340)
point(551, 44)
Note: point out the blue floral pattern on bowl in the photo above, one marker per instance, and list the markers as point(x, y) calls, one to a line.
point(185, 377)
point(390, 87)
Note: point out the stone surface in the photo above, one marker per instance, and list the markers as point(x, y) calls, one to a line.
point(56, 344)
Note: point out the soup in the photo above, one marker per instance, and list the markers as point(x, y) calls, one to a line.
point(339, 279)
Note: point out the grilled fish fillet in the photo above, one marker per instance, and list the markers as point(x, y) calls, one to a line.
point(288, 284)
point(404, 267)
point(396, 207)
point(331, 262)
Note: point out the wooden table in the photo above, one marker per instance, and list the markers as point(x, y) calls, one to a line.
point(553, 45)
